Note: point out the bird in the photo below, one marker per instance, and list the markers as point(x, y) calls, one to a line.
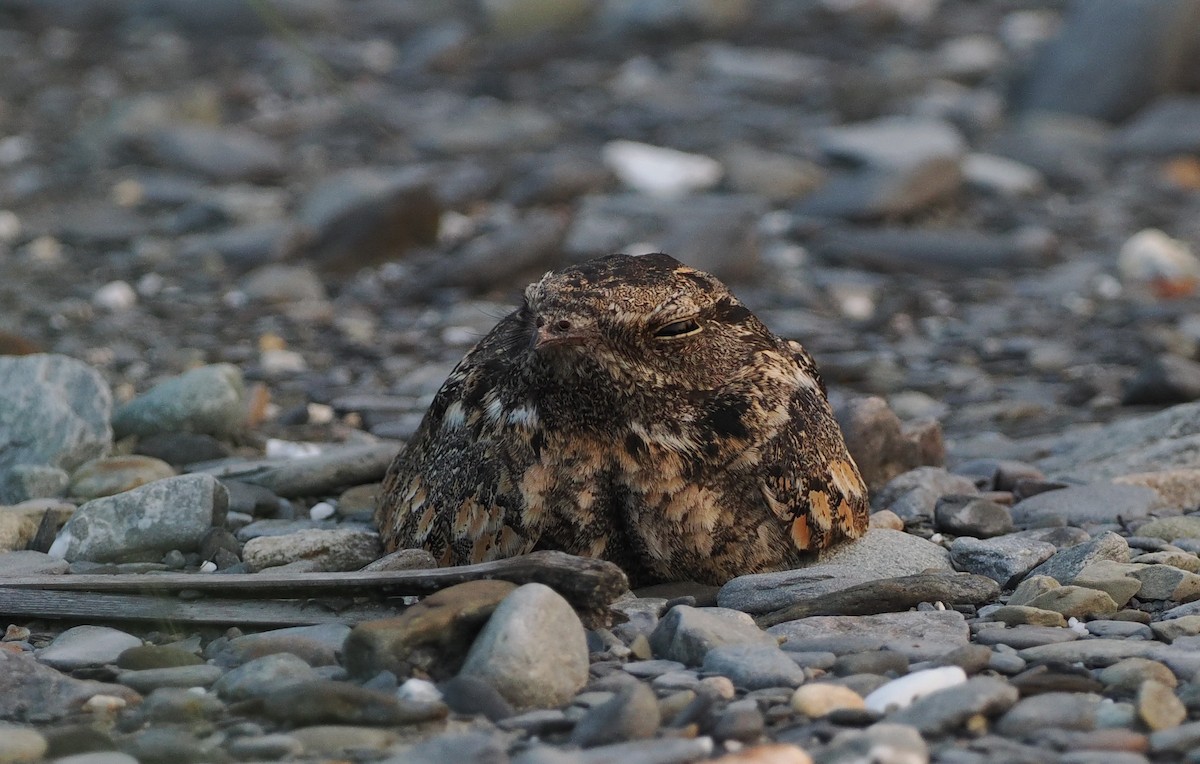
point(630, 409)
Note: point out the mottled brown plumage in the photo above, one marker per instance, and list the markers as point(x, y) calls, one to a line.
point(631, 409)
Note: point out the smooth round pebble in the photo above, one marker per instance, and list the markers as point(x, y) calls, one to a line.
point(819, 699)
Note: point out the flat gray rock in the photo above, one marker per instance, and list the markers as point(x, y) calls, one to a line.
point(1091, 652)
point(324, 473)
point(946, 710)
point(87, 646)
point(918, 635)
point(1067, 563)
point(1097, 503)
point(881, 553)
point(26, 683)
point(54, 411)
point(686, 634)
point(208, 400)
point(173, 513)
point(754, 667)
point(1002, 559)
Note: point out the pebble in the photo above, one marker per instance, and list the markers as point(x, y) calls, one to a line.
point(919, 635)
point(116, 474)
point(631, 714)
point(819, 699)
point(1158, 707)
point(900, 693)
point(1003, 558)
point(947, 709)
point(87, 646)
point(533, 649)
point(914, 495)
point(1075, 602)
point(146, 680)
point(26, 683)
point(660, 171)
point(261, 676)
point(686, 634)
point(1126, 676)
point(753, 666)
point(21, 744)
point(1095, 503)
point(971, 516)
point(1068, 563)
point(316, 645)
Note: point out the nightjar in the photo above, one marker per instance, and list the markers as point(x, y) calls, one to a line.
point(631, 409)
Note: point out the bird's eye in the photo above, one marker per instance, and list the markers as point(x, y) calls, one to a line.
point(684, 328)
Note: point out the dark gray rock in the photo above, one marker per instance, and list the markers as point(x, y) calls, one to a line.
point(946, 710)
point(1063, 710)
point(27, 684)
point(914, 494)
point(631, 714)
point(325, 473)
point(219, 153)
point(239, 248)
point(753, 667)
point(54, 411)
point(1165, 128)
point(919, 635)
point(1163, 380)
point(262, 676)
point(327, 702)
point(972, 516)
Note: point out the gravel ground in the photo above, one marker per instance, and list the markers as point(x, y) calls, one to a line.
point(245, 242)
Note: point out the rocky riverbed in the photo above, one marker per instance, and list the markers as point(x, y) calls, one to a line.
point(242, 243)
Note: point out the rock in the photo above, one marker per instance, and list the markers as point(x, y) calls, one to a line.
point(1066, 564)
point(940, 251)
point(432, 636)
point(364, 217)
point(1161, 129)
point(881, 662)
point(27, 563)
point(35, 481)
point(900, 693)
point(20, 524)
point(1158, 707)
point(661, 172)
point(180, 448)
point(1169, 631)
point(1127, 676)
point(918, 635)
point(54, 411)
point(631, 714)
point(87, 646)
point(533, 649)
point(1163, 582)
point(770, 753)
point(949, 708)
point(1163, 380)
point(148, 521)
point(753, 667)
point(1141, 43)
point(972, 516)
point(1164, 440)
point(1064, 710)
point(316, 645)
point(1095, 503)
point(718, 232)
point(1075, 602)
point(179, 704)
point(819, 699)
point(686, 634)
point(222, 154)
point(114, 474)
point(260, 677)
point(1171, 528)
point(470, 745)
point(914, 494)
point(505, 254)
point(1003, 559)
point(882, 446)
point(401, 559)
point(340, 549)
point(880, 554)
point(25, 683)
point(470, 695)
point(896, 742)
point(318, 475)
point(1001, 176)
point(1090, 652)
point(322, 701)
point(1013, 615)
point(183, 677)
point(777, 176)
point(241, 247)
point(489, 125)
point(19, 743)
point(208, 400)
point(1111, 578)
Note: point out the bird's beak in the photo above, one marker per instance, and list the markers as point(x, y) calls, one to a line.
point(553, 335)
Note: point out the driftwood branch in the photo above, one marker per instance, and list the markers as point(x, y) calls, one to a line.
point(268, 598)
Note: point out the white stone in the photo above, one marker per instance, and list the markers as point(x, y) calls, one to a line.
point(659, 171)
point(116, 296)
point(1150, 256)
point(1001, 175)
point(900, 693)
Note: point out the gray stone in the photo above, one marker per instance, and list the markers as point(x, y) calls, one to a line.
point(1064, 710)
point(334, 550)
point(262, 676)
point(1172, 528)
point(764, 592)
point(219, 153)
point(533, 649)
point(906, 249)
point(325, 473)
point(87, 646)
point(946, 710)
point(35, 481)
point(317, 645)
point(146, 680)
point(208, 400)
point(180, 704)
point(972, 516)
point(25, 683)
point(914, 494)
point(918, 635)
point(1065, 565)
point(54, 411)
point(1094, 503)
point(686, 634)
point(27, 563)
point(1002, 559)
point(631, 714)
point(324, 701)
point(1164, 582)
point(1026, 635)
point(1163, 380)
point(148, 521)
point(893, 142)
point(753, 667)
point(1091, 652)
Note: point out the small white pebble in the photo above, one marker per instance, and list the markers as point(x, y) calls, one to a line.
point(290, 449)
point(279, 361)
point(319, 413)
point(208, 566)
point(937, 538)
point(107, 703)
point(322, 510)
point(115, 296)
point(419, 690)
point(1076, 626)
point(900, 693)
